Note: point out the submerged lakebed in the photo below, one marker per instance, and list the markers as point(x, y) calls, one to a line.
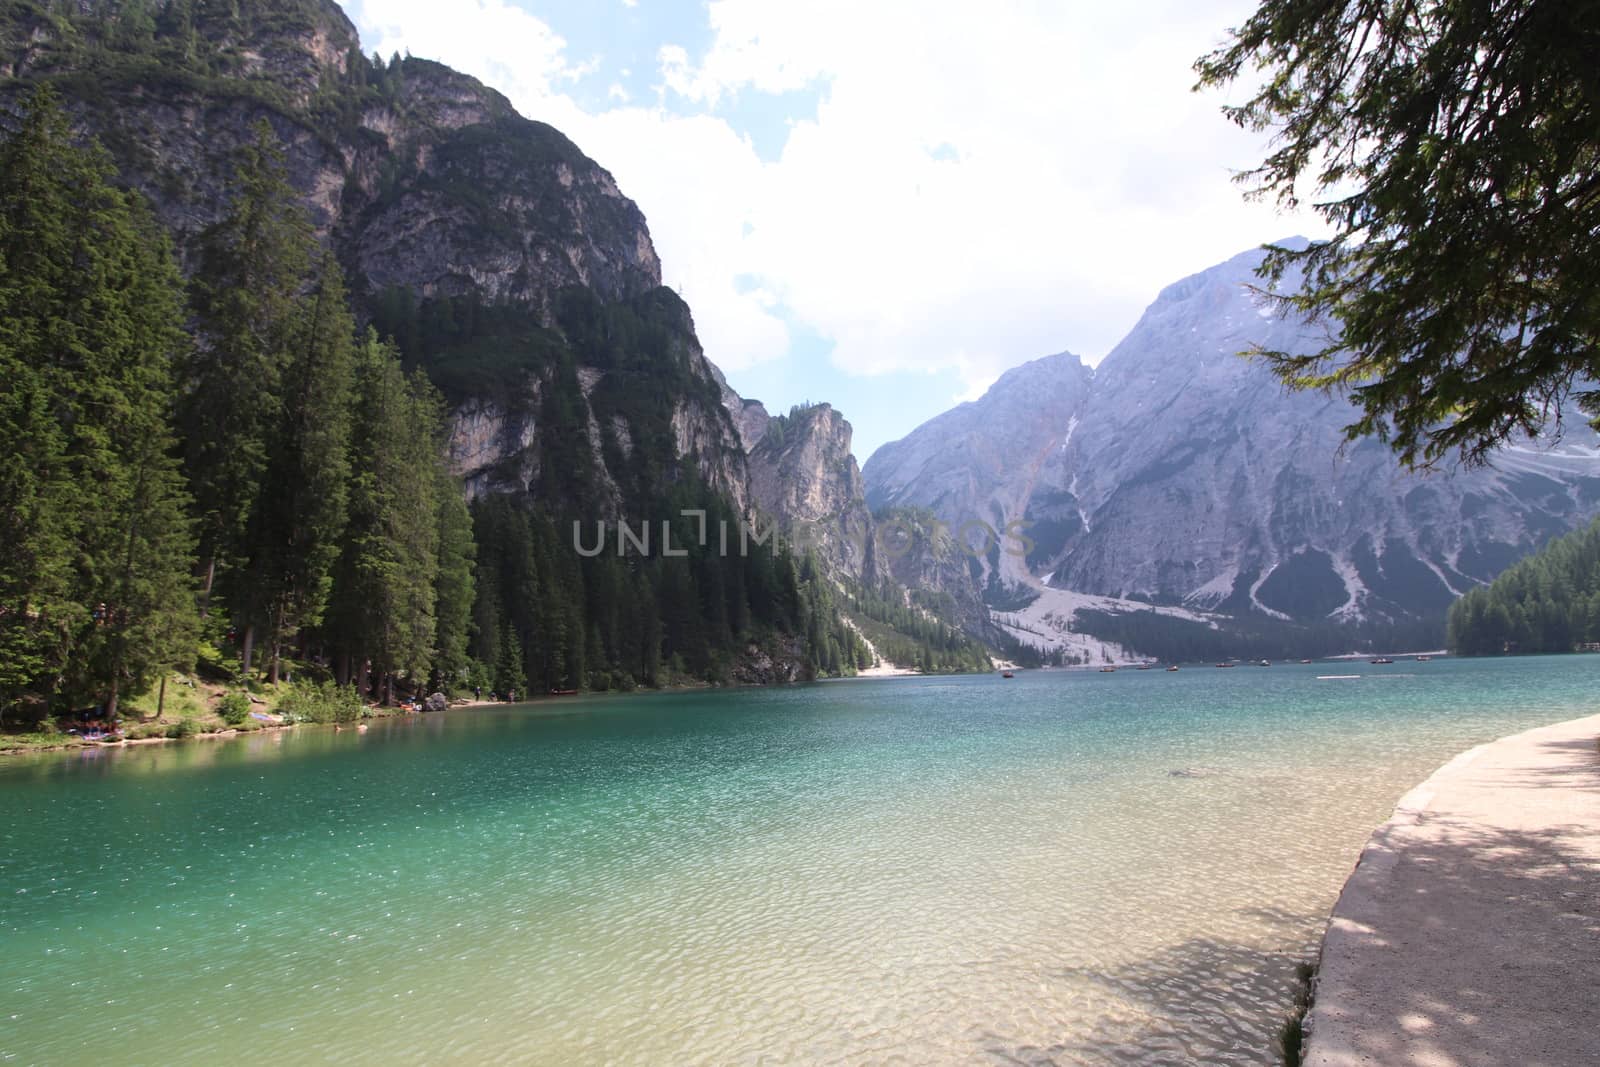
point(1064, 866)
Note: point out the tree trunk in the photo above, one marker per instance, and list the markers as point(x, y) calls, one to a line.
point(205, 588)
point(248, 650)
point(161, 695)
point(111, 702)
point(277, 641)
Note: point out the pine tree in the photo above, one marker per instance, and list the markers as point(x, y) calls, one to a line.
point(37, 522)
point(508, 676)
point(455, 582)
point(385, 579)
point(246, 300)
point(93, 590)
point(300, 513)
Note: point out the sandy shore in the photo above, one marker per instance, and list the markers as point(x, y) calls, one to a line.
point(1469, 933)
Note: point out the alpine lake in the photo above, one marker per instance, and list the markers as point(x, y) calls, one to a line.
point(1064, 867)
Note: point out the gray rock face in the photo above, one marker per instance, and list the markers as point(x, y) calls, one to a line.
point(443, 191)
point(749, 417)
point(803, 475)
point(431, 183)
point(1178, 472)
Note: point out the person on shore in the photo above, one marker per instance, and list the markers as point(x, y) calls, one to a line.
point(477, 693)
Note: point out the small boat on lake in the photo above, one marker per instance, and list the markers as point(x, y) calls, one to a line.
point(1423, 659)
point(1007, 674)
point(1172, 668)
point(1227, 665)
point(1381, 659)
point(1108, 670)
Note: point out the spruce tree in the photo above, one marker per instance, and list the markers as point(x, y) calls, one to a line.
point(246, 301)
point(453, 609)
point(386, 594)
point(300, 513)
point(38, 523)
point(508, 676)
point(94, 596)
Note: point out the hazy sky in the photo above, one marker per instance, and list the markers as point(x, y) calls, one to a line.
point(883, 203)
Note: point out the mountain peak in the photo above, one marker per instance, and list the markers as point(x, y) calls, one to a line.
point(1181, 472)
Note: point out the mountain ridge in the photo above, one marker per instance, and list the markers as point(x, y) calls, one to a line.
point(1182, 474)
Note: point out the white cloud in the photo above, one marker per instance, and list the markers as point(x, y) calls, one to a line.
point(981, 184)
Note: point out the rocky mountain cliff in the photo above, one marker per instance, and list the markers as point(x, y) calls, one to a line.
point(509, 267)
point(1177, 473)
point(804, 476)
point(440, 201)
point(803, 473)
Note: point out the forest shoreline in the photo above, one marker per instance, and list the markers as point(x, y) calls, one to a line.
point(228, 734)
point(231, 733)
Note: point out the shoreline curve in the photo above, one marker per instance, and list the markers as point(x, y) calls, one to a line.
point(1469, 931)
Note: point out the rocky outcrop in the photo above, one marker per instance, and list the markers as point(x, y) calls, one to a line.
point(1179, 473)
point(777, 662)
point(803, 475)
point(749, 417)
point(420, 179)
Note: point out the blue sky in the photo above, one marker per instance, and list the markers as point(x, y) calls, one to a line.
point(883, 205)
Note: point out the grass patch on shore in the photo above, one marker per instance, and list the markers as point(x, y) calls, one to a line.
point(184, 699)
point(41, 741)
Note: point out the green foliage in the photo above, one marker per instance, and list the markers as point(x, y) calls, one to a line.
point(509, 679)
point(94, 542)
point(455, 585)
point(779, 426)
point(182, 728)
point(910, 632)
point(386, 598)
point(309, 492)
point(300, 518)
point(1549, 602)
point(1454, 147)
point(234, 708)
point(321, 702)
point(246, 299)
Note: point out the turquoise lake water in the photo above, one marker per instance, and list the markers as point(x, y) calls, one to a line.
point(1066, 867)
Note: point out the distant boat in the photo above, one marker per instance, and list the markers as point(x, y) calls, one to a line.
point(1227, 664)
point(1172, 668)
point(1108, 670)
point(1381, 659)
point(1423, 659)
point(1305, 661)
point(1264, 663)
point(1007, 674)
point(1142, 667)
point(563, 692)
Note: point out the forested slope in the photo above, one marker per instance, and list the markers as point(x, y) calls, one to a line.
point(1548, 602)
point(380, 342)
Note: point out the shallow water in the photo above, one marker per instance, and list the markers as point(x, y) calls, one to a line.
point(1066, 867)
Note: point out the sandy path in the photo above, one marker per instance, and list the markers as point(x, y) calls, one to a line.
point(1469, 934)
